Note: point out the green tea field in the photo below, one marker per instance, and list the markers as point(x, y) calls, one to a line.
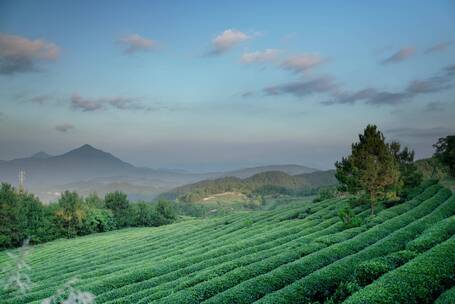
point(301, 253)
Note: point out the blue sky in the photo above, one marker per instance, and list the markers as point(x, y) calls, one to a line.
point(205, 85)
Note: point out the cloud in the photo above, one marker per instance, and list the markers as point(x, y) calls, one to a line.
point(304, 87)
point(435, 106)
point(399, 56)
point(116, 102)
point(247, 94)
point(421, 132)
point(442, 81)
point(302, 63)
point(85, 105)
point(135, 43)
point(439, 47)
point(226, 40)
point(124, 103)
point(268, 55)
point(20, 55)
point(40, 99)
point(64, 127)
point(369, 96)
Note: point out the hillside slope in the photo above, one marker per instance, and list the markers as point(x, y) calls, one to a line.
point(278, 179)
point(298, 254)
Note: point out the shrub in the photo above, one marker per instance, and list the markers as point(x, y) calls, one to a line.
point(448, 297)
point(436, 234)
point(419, 281)
point(348, 218)
point(366, 272)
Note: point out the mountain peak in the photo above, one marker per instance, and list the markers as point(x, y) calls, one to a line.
point(41, 155)
point(87, 150)
point(86, 147)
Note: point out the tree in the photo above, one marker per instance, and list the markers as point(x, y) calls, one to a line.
point(166, 212)
point(371, 168)
point(11, 233)
point(70, 212)
point(445, 152)
point(118, 202)
point(410, 175)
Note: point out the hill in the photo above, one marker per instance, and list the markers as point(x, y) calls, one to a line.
point(264, 181)
point(289, 169)
point(298, 254)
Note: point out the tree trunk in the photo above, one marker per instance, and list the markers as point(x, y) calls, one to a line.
point(373, 202)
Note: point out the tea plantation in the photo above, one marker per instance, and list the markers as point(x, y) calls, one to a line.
point(301, 253)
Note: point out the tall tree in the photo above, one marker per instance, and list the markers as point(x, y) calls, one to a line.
point(445, 152)
point(371, 168)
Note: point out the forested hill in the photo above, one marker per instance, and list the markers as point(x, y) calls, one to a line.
point(275, 181)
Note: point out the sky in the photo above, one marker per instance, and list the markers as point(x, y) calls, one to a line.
point(211, 85)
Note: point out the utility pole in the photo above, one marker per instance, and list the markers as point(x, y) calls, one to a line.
point(22, 181)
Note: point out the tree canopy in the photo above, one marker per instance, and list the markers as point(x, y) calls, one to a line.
point(372, 167)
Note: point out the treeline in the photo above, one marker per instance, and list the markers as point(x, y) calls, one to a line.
point(265, 183)
point(23, 216)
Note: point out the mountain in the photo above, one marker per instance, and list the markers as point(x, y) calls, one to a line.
point(87, 169)
point(41, 155)
point(276, 180)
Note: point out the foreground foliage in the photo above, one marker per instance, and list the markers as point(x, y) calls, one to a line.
point(301, 253)
point(23, 216)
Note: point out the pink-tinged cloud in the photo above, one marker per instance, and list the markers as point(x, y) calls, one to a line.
point(302, 63)
point(135, 43)
point(268, 55)
point(400, 55)
point(226, 40)
point(20, 54)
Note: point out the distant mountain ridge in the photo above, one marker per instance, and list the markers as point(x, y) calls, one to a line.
point(88, 169)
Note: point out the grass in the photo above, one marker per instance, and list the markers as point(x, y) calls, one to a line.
point(299, 253)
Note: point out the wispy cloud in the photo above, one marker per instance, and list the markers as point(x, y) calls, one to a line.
point(268, 55)
point(302, 62)
point(64, 127)
point(85, 105)
point(399, 56)
point(19, 54)
point(114, 102)
point(304, 87)
point(226, 40)
point(247, 94)
point(435, 106)
point(442, 81)
point(439, 47)
point(40, 99)
point(337, 95)
point(135, 43)
point(369, 96)
point(124, 103)
point(433, 132)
